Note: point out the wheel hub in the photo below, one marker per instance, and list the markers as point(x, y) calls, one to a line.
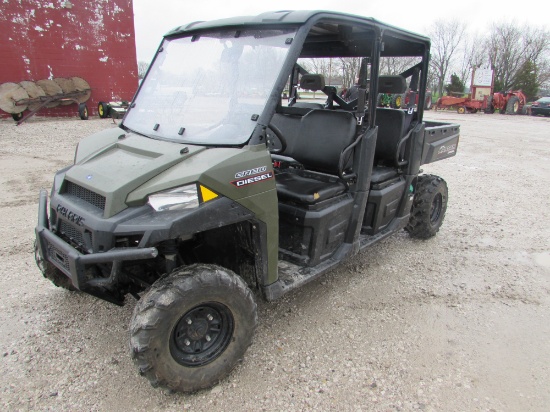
point(202, 334)
point(197, 331)
point(435, 210)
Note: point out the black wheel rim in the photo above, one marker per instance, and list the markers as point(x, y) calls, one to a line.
point(202, 334)
point(435, 211)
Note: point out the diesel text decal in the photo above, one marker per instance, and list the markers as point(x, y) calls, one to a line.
point(252, 179)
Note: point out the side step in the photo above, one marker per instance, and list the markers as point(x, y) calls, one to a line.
point(292, 276)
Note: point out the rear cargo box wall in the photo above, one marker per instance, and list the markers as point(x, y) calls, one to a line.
point(91, 39)
point(440, 141)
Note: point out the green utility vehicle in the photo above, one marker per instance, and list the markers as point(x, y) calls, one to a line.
point(213, 191)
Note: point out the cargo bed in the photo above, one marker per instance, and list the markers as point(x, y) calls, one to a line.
point(440, 141)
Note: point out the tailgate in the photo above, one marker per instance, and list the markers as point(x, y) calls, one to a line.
point(440, 141)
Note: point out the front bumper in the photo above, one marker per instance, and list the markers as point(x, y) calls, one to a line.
point(94, 240)
point(540, 110)
point(70, 261)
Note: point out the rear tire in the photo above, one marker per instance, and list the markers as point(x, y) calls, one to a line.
point(397, 101)
point(192, 327)
point(512, 107)
point(429, 207)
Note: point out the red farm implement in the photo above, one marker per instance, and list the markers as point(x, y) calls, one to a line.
point(481, 97)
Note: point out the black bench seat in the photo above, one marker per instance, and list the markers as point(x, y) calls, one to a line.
point(307, 188)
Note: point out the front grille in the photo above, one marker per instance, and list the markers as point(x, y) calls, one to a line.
point(57, 255)
point(86, 195)
point(70, 232)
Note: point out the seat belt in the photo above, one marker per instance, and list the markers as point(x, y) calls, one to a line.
point(414, 90)
point(362, 93)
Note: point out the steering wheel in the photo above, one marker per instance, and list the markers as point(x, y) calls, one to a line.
point(273, 134)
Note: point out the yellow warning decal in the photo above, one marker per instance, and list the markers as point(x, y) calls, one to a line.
point(207, 194)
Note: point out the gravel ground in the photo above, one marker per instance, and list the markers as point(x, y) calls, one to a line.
point(456, 323)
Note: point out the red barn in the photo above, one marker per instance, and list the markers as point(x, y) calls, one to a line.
point(90, 39)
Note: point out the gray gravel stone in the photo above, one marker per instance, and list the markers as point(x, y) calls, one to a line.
point(458, 322)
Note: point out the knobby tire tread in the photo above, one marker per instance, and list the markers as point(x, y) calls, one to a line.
point(164, 294)
point(427, 187)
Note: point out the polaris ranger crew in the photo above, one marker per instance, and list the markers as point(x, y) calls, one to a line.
point(214, 192)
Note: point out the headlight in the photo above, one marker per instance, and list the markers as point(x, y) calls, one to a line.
point(185, 197)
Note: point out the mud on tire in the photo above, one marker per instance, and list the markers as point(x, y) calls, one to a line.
point(429, 206)
point(192, 327)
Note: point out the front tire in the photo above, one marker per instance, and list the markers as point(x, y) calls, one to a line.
point(103, 110)
point(490, 109)
point(192, 327)
point(50, 272)
point(429, 207)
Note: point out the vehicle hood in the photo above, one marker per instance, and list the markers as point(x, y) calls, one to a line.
point(121, 162)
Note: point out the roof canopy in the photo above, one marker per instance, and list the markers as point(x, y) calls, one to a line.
point(332, 35)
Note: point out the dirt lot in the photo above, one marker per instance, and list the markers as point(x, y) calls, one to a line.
point(457, 323)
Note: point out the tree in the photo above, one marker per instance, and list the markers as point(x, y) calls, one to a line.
point(456, 86)
point(505, 48)
point(349, 67)
point(446, 36)
point(537, 51)
point(396, 65)
point(473, 56)
point(142, 69)
point(526, 80)
point(519, 51)
point(319, 66)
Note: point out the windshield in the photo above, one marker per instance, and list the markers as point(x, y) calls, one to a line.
point(209, 89)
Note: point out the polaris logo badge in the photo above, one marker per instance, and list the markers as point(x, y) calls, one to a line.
point(70, 216)
point(250, 172)
point(447, 149)
point(253, 179)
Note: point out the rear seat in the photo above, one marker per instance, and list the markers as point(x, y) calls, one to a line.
point(393, 125)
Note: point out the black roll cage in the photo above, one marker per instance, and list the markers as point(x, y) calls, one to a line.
point(385, 38)
point(379, 35)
